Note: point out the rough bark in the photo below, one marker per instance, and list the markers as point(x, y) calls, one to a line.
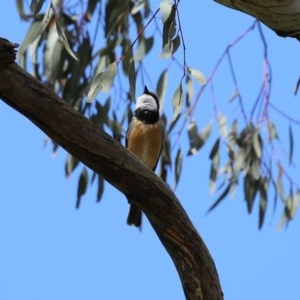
point(282, 16)
point(118, 166)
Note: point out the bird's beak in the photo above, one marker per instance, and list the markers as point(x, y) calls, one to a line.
point(146, 91)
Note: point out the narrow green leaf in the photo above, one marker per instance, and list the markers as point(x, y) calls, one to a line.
point(177, 101)
point(292, 204)
point(169, 27)
point(178, 167)
point(296, 200)
point(215, 149)
point(222, 121)
point(137, 6)
point(193, 137)
point(280, 187)
point(176, 43)
point(232, 135)
point(219, 200)
point(197, 75)
point(173, 123)
point(165, 9)
point(189, 91)
point(31, 35)
point(254, 168)
point(205, 133)
point(167, 50)
point(108, 76)
point(102, 81)
point(283, 220)
point(127, 57)
point(132, 79)
point(250, 190)
point(82, 185)
point(143, 48)
point(215, 158)
point(100, 189)
point(63, 38)
point(239, 160)
point(20, 8)
point(71, 164)
point(244, 138)
point(52, 56)
point(94, 175)
point(257, 144)
point(286, 215)
point(197, 140)
point(263, 192)
point(161, 88)
point(103, 62)
point(36, 5)
point(234, 183)
point(291, 148)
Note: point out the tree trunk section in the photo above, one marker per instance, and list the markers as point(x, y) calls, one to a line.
point(282, 16)
point(118, 166)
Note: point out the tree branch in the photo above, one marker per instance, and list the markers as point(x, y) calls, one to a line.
point(118, 166)
point(282, 16)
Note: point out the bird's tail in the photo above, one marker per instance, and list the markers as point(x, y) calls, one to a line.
point(134, 215)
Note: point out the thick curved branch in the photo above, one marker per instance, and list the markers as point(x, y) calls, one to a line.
point(118, 166)
point(282, 16)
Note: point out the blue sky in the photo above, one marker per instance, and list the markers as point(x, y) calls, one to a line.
point(50, 250)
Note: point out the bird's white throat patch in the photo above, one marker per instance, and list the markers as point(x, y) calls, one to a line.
point(146, 102)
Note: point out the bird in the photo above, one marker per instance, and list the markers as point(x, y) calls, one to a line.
point(144, 138)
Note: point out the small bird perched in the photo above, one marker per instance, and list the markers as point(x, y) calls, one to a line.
point(144, 138)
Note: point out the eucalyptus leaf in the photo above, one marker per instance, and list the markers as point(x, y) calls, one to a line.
point(222, 121)
point(20, 8)
point(132, 79)
point(257, 144)
point(197, 75)
point(205, 133)
point(82, 185)
point(189, 91)
point(176, 43)
point(33, 32)
point(220, 198)
point(102, 81)
point(143, 48)
point(165, 9)
point(167, 50)
point(197, 140)
point(178, 166)
point(138, 5)
point(215, 162)
point(280, 187)
point(100, 189)
point(177, 101)
point(52, 56)
point(169, 27)
point(161, 88)
point(251, 187)
point(263, 192)
point(36, 5)
point(63, 38)
point(239, 160)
